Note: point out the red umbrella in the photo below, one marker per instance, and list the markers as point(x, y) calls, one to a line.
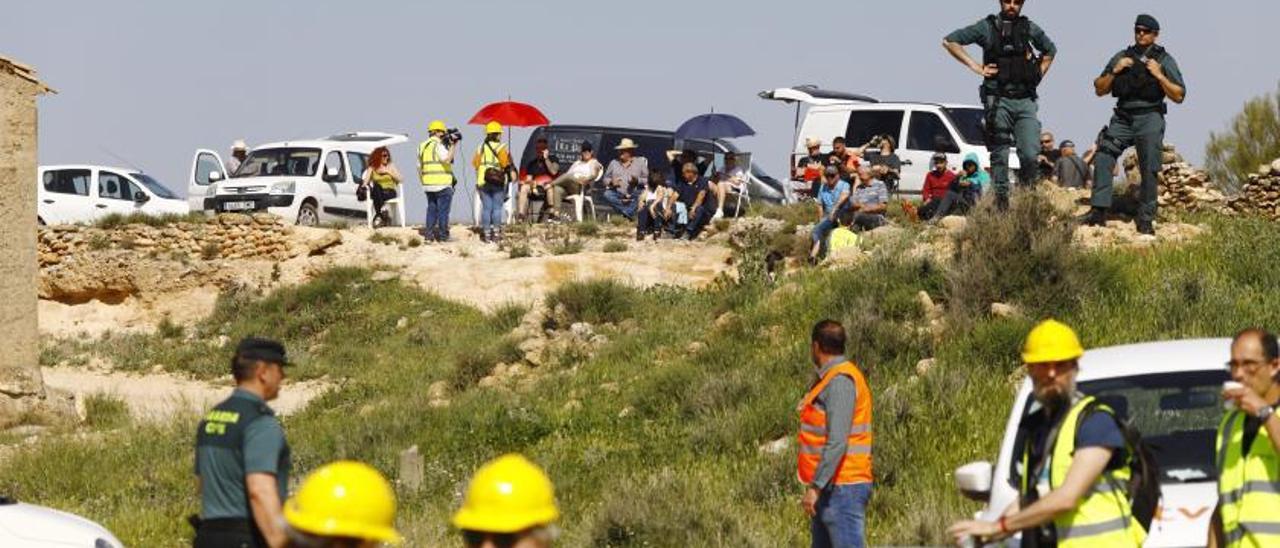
point(510, 113)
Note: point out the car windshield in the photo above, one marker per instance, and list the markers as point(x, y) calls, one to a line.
point(969, 122)
point(1177, 414)
point(154, 186)
point(295, 162)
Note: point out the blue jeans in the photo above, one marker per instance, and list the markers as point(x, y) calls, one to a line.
point(491, 199)
point(821, 232)
point(841, 521)
point(438, 205)
point(614, 198)
point(693, 222)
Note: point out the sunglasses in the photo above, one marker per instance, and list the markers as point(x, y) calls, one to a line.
point(1141, 30)
point(1013, 2)
point(501, 540)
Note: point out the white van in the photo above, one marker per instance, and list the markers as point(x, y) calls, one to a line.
point(68, 194)
point(1170, 391)
point(308, 182)
point(920, 129)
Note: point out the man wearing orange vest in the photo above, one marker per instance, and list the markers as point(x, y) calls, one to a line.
point(835, 444)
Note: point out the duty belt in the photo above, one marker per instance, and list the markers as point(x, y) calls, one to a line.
point(1129, 113)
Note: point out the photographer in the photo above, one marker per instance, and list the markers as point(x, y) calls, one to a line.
point(884, 160)
point(435, 168)
point(538, 174)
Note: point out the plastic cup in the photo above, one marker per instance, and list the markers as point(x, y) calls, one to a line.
point(1230, 405)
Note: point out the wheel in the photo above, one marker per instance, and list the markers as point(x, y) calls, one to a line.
point(307, 215)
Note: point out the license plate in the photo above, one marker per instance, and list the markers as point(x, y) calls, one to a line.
point(237, 206)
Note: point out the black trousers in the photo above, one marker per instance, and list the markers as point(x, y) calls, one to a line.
point(380, 196)
point(228, 533)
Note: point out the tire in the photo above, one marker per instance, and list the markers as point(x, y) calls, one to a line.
point(308, 216)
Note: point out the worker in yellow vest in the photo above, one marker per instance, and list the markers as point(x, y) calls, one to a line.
point(510, 502)
point(1074, 461)
point(835, 443)
point(1248, 447)
point(435, 167)
point(494, 170)
point(345, 504)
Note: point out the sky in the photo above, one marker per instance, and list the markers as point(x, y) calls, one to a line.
point(145, 83)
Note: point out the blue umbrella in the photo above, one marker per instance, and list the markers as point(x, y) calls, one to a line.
point(714, 126)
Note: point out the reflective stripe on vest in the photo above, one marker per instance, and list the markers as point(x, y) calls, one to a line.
point(1103, 517)
point(856, 465)
point(490, 158)
point(433, 171)
point(1248, 486)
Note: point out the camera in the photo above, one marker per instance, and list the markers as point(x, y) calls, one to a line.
point(451, 136)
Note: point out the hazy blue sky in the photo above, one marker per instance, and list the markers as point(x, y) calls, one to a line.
point(153, 80)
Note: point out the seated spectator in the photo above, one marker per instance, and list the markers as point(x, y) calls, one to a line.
point(625, 173)
point(870, 201)
point(809, 167)
point(965, 189)
point(538, 174)
point(843, 237)
point(731, 179)
point(845, 158)
point(936, 185)
point(1071, 170)
point(652, 211)
point(687, 198)
point(581, 174)
point(381, 180)
point(1048, 156)
point(833, 198)
point(679, 158)
point(885, 163)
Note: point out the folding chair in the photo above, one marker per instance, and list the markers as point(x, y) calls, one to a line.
point(396, 206)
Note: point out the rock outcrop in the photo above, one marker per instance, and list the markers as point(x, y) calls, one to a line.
point(1260, 195)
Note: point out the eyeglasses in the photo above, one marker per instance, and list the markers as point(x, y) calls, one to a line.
point(1251, 365)
point(1143, 30)
point(1012, 2)
point(501, 540)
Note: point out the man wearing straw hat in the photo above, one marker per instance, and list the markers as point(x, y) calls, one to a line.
point(625, 173)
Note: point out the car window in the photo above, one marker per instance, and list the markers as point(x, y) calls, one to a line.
point(116, 187)
point(969, 122)
point(358, 163)
point(297, 162)
point(333, 161)
point(67, 181)
point(206, 164)
point(865, 124)
point(928, 133)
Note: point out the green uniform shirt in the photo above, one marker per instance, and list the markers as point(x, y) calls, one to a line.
point(1171, 71)
point(982, 34)
point(222, 470)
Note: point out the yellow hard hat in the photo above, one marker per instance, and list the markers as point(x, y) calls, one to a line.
point(1051, 341)
point(493, 127)
point(437, 125)
point(507, 495)
point(345, 499)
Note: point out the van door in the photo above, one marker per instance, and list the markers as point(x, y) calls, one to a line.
point(338, 198)
point(927, 133)
point(64, 196)
point(118, 194)
point(206, 170)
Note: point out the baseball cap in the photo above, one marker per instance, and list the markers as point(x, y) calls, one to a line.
point(266, 350)
point(939, 157)
point(1067, 143)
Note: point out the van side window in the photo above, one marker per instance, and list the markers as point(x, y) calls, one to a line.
point(67, 181)
point(358, 164)
point(928, 133)
point(334, 161)
point(865, 124)
point(115, 187)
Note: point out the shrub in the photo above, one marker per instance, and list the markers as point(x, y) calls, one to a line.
point(519, 251)
point(721, 225)
point(210, 251)
point(595, 301)
point(415, 241)
point(507, 316)
point(567, 246)
point(615, 246)
point(167, 329)
point(103, 411)
point(587, 229)
point(383, 238)
point(1253, 139)
point(99, 241)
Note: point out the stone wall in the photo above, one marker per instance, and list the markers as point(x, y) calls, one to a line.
point(19, 369)
point(227, 236)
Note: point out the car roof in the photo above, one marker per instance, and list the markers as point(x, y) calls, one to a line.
point(1154, 357)
point(356, 140)
point(814, 95)
point(889, 105)
point(123, 170)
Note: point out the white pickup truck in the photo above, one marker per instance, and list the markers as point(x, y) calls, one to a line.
point(1170, 391)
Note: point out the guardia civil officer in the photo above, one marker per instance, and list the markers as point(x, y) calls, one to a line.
point(1016, 55)
point(1140, 77)
point(242, 458)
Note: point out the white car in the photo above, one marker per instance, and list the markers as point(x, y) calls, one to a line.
point(83, 194)
point(920, 129)
point(30, 526)
point(308, 182)
point(1170, 391)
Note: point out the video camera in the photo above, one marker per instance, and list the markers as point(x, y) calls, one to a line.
point(451, 136)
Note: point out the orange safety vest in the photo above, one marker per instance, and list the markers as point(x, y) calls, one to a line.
point(855, 467)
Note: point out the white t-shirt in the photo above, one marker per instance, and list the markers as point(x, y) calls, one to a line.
point(585, 172)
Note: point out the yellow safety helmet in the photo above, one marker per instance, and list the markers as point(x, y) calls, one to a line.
point(493, 127)
point(1051, 341)
point(437, 125)
point(345, 499)
point(507, 495)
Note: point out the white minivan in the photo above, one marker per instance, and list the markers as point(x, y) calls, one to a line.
point(68, 194)
point(305, 182)
point(1170, 391)
point(920, 129)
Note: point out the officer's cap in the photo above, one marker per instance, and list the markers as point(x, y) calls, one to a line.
point(1147, 22)
point(266, 350)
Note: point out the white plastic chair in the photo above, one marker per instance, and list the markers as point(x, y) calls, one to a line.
point(583, 197)
point(396, 206)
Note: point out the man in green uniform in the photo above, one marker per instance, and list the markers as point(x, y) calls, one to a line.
point(1141, 77)
point(1016, 55)
point(242, 458)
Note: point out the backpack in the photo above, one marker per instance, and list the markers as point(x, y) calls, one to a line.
point(1143, 487)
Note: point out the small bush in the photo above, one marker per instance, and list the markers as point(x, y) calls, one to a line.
point(210, 251)
point(415, 241)
point(471, 366)
point(595, 301)
point(507, 316)
point(519, 251)
point(104, 411)
point(167, 329)
point(383, 238)
point(99, 242)
point(615, 246)
point(721, 225)
point(567, 246)
point(587, 229)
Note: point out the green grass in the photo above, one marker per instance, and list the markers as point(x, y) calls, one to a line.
point(587, 229)
point(117, 220)
point(614, 246)
point(385, 239)
point(105, 412)
point(663, 450)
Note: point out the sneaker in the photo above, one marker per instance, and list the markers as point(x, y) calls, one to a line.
point(1146, 227)
point(719, 215)
point(1096, 217)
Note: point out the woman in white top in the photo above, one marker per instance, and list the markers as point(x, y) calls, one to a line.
point(731, 179)
point(651, 207)
point(586, 170)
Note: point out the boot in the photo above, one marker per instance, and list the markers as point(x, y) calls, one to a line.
point(484, 236)
point(1096, 217)
point(1146, 227)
